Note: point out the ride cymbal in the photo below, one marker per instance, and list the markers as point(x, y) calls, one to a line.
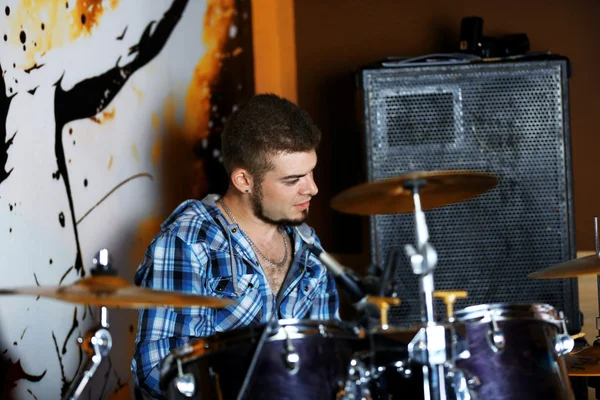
point(589, 265)
point(113, 291)
point(390, 196)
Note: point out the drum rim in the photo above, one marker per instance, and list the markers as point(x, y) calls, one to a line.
point(481, 313)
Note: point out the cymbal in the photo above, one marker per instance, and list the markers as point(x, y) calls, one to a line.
point(589, 265)
point(388, 196)
point(585, 362)
point(113, 291)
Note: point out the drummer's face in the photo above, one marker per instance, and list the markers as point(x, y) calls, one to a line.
point(283, 196)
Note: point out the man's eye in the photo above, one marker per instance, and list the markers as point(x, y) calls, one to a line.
point(292, 182)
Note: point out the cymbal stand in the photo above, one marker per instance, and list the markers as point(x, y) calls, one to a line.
point(594, 382)
point(428, 348)
point(97, 341)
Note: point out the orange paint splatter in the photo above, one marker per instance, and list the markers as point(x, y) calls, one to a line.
point(217, 20)
point(110, 162)
point(104, 116)
point(138, 92)
point(156, 149)
point(40, 25)
point(144, 233)
point(134, 152)
point(155, 121)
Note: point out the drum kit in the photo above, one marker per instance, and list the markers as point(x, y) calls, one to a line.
point(488, 351)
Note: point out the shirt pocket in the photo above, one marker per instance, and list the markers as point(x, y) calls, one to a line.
point(248, 309)
point(306, 291)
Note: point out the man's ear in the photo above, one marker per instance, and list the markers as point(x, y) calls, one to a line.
point(242, 180)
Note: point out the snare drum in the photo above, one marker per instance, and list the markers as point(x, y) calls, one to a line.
point(215, 367)
point(514, 351)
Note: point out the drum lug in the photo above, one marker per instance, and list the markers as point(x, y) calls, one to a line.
point(290, 356)
point(564, 342)
point(185, 383)
point(495, 336)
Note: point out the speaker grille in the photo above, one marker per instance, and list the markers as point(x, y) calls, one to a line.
point(510, 119)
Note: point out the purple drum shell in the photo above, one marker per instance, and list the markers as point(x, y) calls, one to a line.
point(325, 350)
point(527, 368)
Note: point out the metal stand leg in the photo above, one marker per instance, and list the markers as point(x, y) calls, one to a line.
point(97, 344)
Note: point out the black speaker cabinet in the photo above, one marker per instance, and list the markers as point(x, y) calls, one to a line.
point(507, 118)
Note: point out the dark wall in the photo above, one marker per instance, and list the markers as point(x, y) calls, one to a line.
point(334, 38)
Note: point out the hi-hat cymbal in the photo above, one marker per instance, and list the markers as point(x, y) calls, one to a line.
point(589, 265)
point(585, 362)
point(389, 196)
point(113, 291)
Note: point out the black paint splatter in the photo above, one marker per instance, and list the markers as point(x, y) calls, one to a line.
point(31, 393)
point(56, 175)
point(5, 38)
point(32, 91)
point(24, 48)
point(61, 219)
point(10, 230)
point(23, 37)
point(13, 372)
point(83, 19)
point(35, 66)
point(122, 34)
point(15, 343)
point(74, 326)
point(65, 275)
point(43, 26)
point(90, 96)
point(50, 261)
point(85, 182)
point(4, 144)
point(10, 207)
point(7, 10)
point(23, 334)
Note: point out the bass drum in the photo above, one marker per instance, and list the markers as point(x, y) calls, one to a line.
point(215, 367)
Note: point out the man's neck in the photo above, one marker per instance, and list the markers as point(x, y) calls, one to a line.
point(240, 206)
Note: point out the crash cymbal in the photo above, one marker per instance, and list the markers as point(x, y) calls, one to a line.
point(585, 362)
point(389, 196)
point(589, 265)
point(113, 291)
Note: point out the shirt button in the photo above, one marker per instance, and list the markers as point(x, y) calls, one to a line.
point(250, 285)
point(306, 288)
point(234, 230)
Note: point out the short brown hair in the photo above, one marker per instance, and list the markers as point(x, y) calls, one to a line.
point(266, 125)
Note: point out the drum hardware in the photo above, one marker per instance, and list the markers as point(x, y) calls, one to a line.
point(495, 337)
point(290, 355)
point(564, 342)
point(383, 304)
point(185, 383)
point(449, 297)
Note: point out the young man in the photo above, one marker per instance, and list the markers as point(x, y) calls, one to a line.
point(240, 246)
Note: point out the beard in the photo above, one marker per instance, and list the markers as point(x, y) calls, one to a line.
point(259, 211)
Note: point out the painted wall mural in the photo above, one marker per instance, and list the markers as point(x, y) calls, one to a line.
point(110, 115)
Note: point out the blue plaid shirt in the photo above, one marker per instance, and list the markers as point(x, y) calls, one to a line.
point(199, 252)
